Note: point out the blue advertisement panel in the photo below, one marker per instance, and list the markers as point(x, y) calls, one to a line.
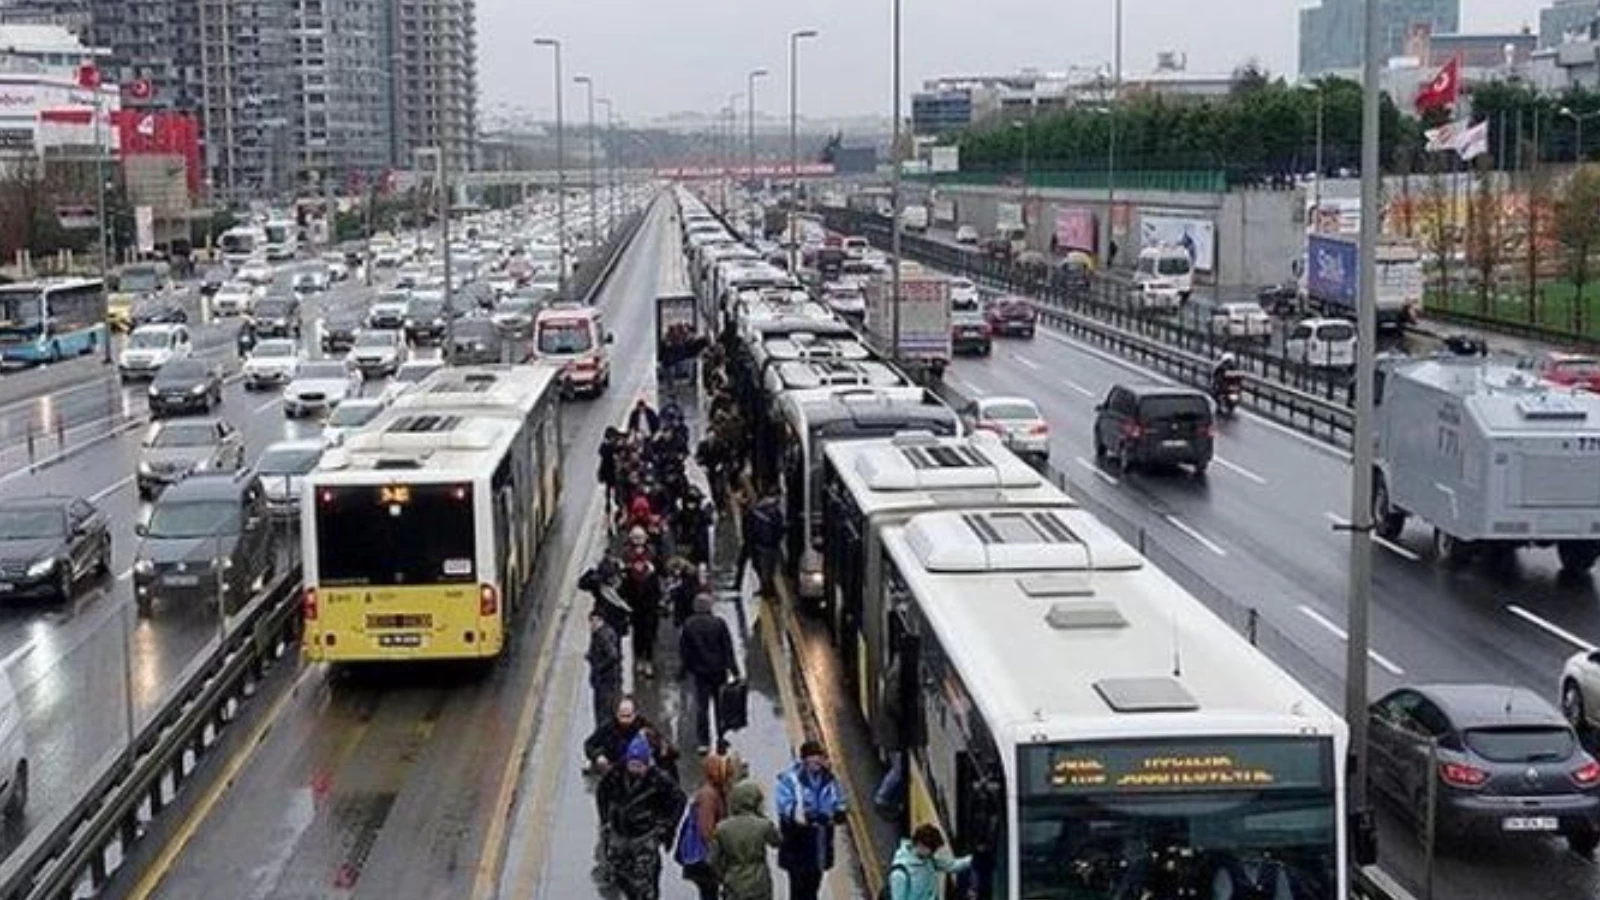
point(1331, 269)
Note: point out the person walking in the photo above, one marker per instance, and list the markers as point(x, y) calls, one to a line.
point(767, 543)
point(918, 869)
point(705, 650)
point(642, 420)
point(604, 657)
point(889, 797)
point(810, 804)
point(638, 805)
point(641, 588)
point(738, 852)
point(609, 741)
point(707, 808)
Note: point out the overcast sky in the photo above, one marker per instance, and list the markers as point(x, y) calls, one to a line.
point(654, 57)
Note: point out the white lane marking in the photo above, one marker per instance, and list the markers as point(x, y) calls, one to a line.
point(1026, 361)
point(266, 406)
point(1344, 637)
point(1077, 387)
point(1103, 476)
point(110, 489)
point(1238, 469)
point(1199, 538)
point(1549, 627)
point(1402, 552)
point(967, 387)
point(16, 655)
point(1302, 437)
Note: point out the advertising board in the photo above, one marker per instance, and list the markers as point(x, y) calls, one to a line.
point(1075, 230)
point(1177, 229)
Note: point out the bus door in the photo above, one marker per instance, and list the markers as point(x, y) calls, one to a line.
point(844, 576)
point(980, 817)
point(797, 524)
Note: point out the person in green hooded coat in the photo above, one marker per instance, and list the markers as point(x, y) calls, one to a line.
point(739, 847)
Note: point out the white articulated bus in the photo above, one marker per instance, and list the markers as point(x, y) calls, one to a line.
point(1087, 728)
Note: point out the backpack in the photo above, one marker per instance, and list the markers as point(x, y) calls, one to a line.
point(689, 848)
point(887, 893)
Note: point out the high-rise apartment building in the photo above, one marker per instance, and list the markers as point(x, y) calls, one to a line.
point(341, 112)
point(1564, 17)
point(1331, 35)
point(434, 48)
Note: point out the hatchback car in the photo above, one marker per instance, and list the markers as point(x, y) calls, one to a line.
point(476, 340)
point(150, 347)
point(277, 315)
point(1247, 321)
point(377, 352)
point(185, 385)
point(1497, 760)
point(1011, 316)
point(272, 362)
point(172, 451)
point(964, 296)
point(1154, 424)
point(969, 333)
point(49, 544)
point(207, 542)
point(282, 468)
point(1016, 420)
point(319, 387)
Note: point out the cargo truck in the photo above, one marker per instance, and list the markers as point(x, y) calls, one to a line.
point(925, 319)
point(1332, 278)
point(1489, 457)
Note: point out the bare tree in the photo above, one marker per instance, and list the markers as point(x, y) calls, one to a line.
point(1439, 232)
point(1577, 228)
point(1486, 244)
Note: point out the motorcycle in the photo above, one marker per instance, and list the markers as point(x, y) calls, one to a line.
point(1227, 392)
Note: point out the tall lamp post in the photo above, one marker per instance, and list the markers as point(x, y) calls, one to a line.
point(894, 192)
point(594, 218)
point(733, 150)
point(795, 37)
point(443, 187)
point(1578, 119)
point(561, 170)
point(1111, 129)
point(611, 170)
point(750, 119)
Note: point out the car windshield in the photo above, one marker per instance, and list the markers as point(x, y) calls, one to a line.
point(961, 284)
point(150, 340)
point(271, 308)
point(182, 370)
point(375, 339)
point(1010, 411)
point(267, 349)
point(564, 337)
point(184, 434)
point(193, 519)
point(138, 280)
point(349, 415)
point(324, 371)
point(410, 374)
point(288, 460)
point(1521, 745)
point(1173, 265)
point(1577, 366)
point(1336, 332)
point(425, 309)
point(30, 524)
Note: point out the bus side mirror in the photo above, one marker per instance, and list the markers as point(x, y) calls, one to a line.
point(1363, 838)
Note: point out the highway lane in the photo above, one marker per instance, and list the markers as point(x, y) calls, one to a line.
point(67, 661)
point(1259, 530)
point(386, 782)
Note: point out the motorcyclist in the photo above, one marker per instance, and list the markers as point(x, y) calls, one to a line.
point(1224, 373)
point(246, 336)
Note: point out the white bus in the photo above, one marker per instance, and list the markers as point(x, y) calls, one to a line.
point(282, 240)
point(421, 534)
point(1088, 728)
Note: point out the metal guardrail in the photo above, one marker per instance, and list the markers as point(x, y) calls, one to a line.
point(77, 851)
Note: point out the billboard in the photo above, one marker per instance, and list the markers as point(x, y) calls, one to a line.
point(144, 228)
point(157, 133)
point(944, 159)
point(1007, 216)
point(1178, 229)
point(944, 210)
point(1075, 230)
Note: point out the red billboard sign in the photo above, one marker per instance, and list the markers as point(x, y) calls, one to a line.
point(153, 133)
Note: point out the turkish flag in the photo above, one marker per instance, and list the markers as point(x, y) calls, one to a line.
point(88, 76)
point(1442, 91)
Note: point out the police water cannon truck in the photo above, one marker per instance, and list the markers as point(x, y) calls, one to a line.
point(1489, 457)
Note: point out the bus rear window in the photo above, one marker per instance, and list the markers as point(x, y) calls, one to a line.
point(395, 535)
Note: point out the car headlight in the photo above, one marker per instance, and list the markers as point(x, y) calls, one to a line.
point(154, 391)
point(143, 566)
point(438, 323)
point(41, 568)
point(411, 323)
point(145, 469)
point(197, 390)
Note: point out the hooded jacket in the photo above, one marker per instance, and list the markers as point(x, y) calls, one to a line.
point(914, 877)
point(739, 847)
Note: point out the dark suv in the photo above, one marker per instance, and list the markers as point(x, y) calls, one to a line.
point(277, 315)
point(208, 541)
point(1154, 424)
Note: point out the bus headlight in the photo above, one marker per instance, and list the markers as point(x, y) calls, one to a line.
point(143, 566)
point(811, 573)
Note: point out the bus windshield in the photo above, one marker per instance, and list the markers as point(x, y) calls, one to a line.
point(238, 242)
point(1178, 817)
point(395, 534)
point(138, 279)
point(19, 312)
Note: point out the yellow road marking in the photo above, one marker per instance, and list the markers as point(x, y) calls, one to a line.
point(180, 839)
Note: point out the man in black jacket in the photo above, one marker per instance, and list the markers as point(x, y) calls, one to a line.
point(638, 807)
point(605, 667)
point(705, 649)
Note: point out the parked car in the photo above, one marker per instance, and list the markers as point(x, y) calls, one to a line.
point(150, 347)
point(377, 352)
point(272, 362)
point(185, 385)
point(1016, 420)
point(277, 316)
point(207, 543)
point(159, 311)
point(1011, 315)
point(350, 416)
point(173, 450)
point(1580, 691)
point(49, 544)
point(319, 386)
point(1498, 760)
point(1247, 321)
point(1154, 424)
point(282, 468)
point(969, 334)
point(476, 340)
point(966, 234)
point(339, 330)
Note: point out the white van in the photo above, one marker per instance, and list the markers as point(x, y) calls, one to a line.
point(575, 336)
point(1164, 276)
point(13, 753)
point(150, 347)
point(1323, 343)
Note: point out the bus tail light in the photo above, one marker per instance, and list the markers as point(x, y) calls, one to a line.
point(308, 604)
point(488, 600)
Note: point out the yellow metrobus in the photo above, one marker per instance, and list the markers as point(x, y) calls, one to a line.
point(421, 534)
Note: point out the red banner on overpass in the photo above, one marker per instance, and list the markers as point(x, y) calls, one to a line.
point(775, 171)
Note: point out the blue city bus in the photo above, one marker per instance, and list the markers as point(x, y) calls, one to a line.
point(46, 321)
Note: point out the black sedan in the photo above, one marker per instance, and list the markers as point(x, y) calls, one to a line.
point(49, 544)
point(339, 332)
point(159, 311)
point(185, 385)
point(427, 320)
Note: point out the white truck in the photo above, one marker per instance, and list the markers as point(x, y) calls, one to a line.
point(1490, 457)
point(1330, 277)
point(914, 218)
point(924, 344)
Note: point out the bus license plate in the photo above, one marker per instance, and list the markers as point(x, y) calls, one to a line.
point(400, 620)
point(399, 640)
point(1531, 823)
point(181, 580)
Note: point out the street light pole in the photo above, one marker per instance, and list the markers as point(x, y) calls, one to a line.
point(611, 185)
point(100, 151)
point(561, 171)
point(894, 192)
point(1578, 120)
point(594, 219)
point(1111, 127)
point(794, 144)
point(733, 149)
point(443, 187)
point(750, 119)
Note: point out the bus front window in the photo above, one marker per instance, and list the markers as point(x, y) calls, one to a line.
point(1236, 817)
point(19, 314)
point(395, 535)
point(138, 281)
